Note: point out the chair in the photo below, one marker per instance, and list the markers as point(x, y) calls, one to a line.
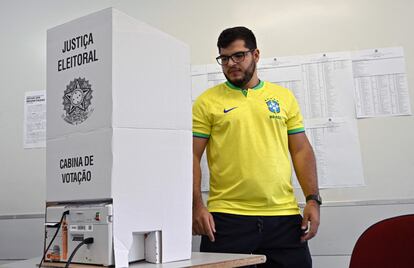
point(388, 243)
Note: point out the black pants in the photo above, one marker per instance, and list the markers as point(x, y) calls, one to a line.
point(277, 237)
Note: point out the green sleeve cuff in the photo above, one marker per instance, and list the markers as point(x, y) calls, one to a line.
point(296, 130)
point(201, 135)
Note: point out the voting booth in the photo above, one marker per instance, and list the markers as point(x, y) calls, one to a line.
point(119, 157)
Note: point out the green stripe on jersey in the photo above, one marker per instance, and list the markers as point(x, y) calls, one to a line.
point(296, 130)
point(200, 135)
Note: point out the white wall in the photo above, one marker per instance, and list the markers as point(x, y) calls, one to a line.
point(282, 28)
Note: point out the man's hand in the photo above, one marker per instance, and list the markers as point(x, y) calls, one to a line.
point(203, 222)
point(311, 214)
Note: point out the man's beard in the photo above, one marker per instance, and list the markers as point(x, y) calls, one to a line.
point(248, 74)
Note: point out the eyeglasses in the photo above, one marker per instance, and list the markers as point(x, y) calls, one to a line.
point(235, 57)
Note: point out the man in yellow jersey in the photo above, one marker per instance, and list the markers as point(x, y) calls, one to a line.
point(249, 128)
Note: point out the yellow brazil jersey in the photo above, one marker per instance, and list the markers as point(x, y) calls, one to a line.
point(247, 149)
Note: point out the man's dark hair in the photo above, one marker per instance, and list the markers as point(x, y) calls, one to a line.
point(230, 35)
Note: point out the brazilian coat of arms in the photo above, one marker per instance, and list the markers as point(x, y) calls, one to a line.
point(77, 101)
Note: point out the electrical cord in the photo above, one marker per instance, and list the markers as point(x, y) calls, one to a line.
point(54, 236)
point(86, 241)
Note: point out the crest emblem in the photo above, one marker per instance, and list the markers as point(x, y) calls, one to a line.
point(273, 105)
point(77, 101)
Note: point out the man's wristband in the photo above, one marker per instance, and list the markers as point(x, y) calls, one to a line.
point(315, 197)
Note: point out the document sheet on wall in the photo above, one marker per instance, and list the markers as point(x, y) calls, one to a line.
point(34, 127)
point(381, 87)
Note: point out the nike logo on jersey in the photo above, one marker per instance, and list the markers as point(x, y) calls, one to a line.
point(228, 110)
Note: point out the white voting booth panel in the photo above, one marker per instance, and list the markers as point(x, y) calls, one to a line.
point(138, 76)
point(119, 127)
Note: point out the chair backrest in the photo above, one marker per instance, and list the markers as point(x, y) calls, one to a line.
point(388, 243)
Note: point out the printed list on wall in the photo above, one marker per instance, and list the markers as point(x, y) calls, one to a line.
point(381, 83)
point(34, 126)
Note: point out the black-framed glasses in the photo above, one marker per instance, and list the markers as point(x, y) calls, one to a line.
point(235, 57)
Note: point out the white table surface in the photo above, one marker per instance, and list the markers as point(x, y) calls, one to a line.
point(198, 259)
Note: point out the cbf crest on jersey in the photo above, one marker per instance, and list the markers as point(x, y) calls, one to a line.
point(77, 101)
point(273, 105)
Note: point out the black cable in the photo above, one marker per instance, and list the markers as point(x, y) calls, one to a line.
point(54, 236)
point(85, 241)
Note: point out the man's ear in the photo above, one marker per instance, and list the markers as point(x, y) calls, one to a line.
point(256, 55)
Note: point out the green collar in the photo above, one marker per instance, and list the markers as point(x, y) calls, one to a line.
point(258, 86)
